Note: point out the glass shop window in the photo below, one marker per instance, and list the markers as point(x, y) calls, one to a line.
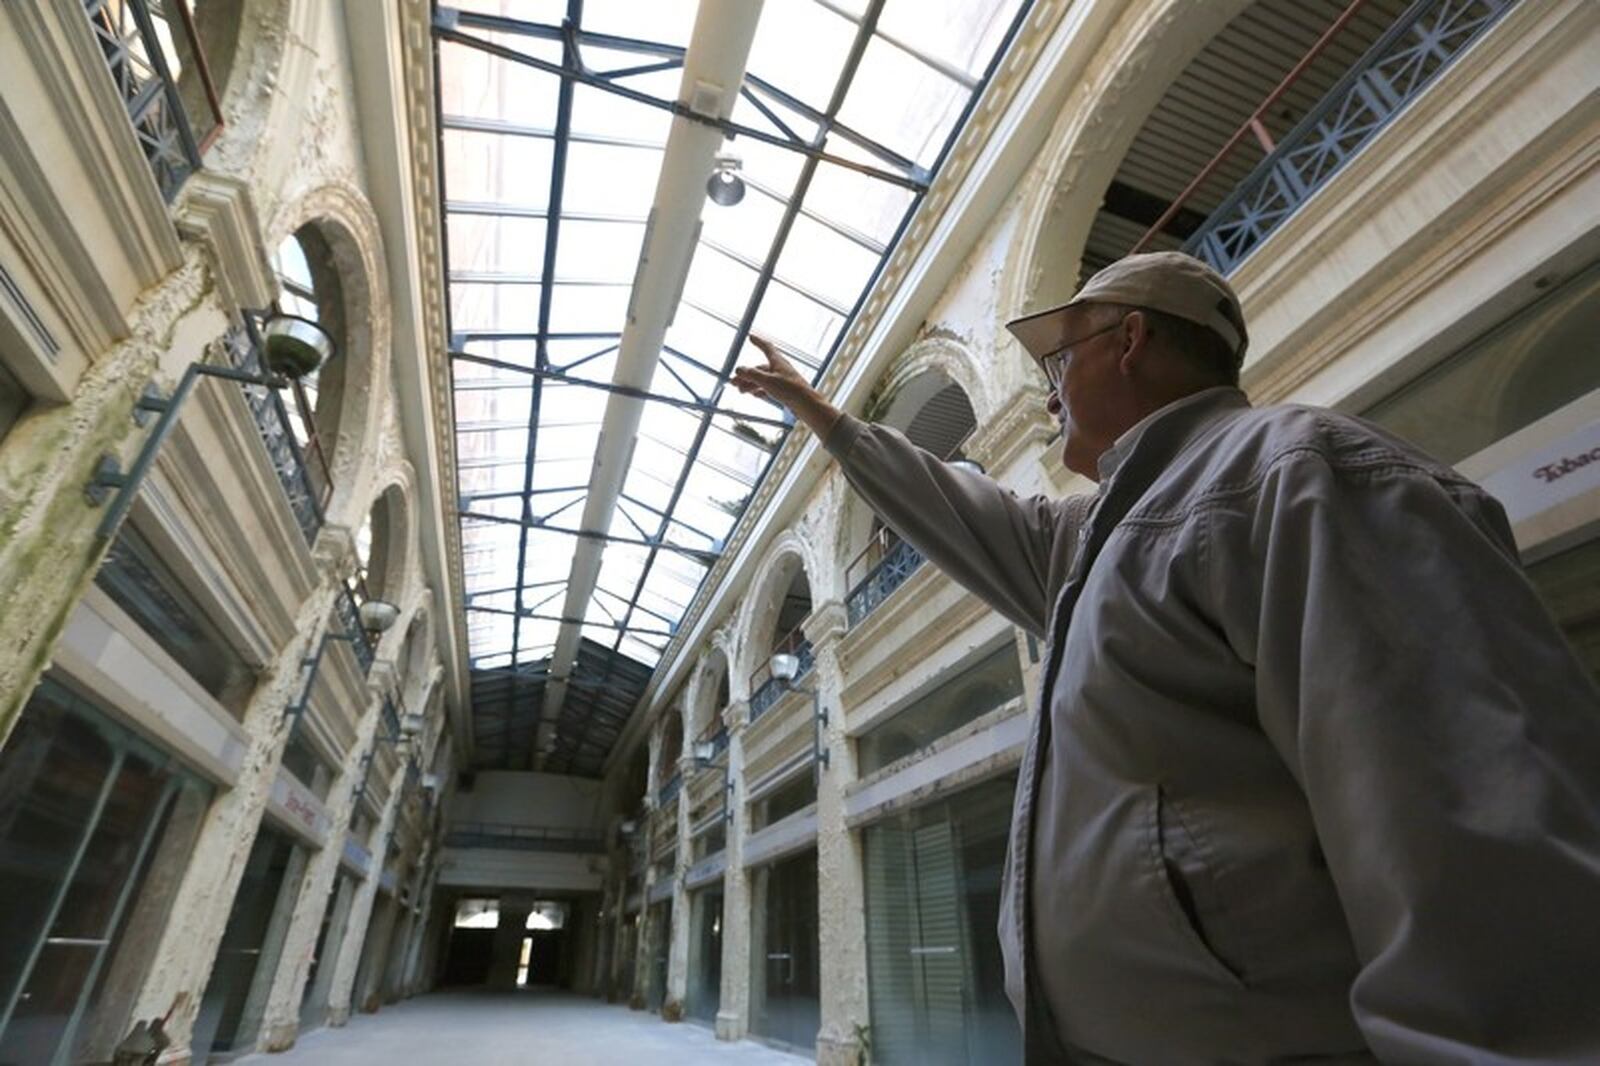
point(137, 580)
point(96, 827)
point(710, 840)
point(704, 991)
point(1536, 361)
point(308, 765)
point(785, 999)
point(989, 683)
point(795, 795)
point(935, 979)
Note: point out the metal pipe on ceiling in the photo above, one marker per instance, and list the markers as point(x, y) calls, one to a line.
point(713, 70)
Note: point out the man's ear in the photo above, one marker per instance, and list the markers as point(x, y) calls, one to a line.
point(1134, 336)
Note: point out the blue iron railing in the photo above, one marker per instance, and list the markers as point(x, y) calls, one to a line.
point(897, 562)
point(1395, 70)
point(153, 55)
point(243, 343)
point(350, 620)
point(670, 790)
point(768, 692)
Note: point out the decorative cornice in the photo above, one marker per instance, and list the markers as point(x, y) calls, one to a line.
point(217, 210)
point(416, 41)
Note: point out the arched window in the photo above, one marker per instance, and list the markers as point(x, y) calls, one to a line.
point(311, 290)
point(784, 637)
point(936, 415)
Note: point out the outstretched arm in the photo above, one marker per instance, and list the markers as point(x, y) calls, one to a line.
point(1012, 553)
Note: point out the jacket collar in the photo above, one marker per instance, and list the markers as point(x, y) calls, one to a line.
point(1161, 435)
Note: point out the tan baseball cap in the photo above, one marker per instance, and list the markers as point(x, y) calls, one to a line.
point(1172, 282)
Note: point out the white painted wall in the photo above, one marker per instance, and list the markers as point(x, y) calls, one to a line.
point(530, 799)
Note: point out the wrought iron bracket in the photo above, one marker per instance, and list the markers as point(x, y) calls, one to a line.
point(110, 482)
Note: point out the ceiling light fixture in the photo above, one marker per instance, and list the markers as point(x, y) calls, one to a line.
point(725, 187)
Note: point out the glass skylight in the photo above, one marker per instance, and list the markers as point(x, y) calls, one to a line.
point(545, 206)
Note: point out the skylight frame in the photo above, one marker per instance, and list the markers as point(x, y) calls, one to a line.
point(654, 630)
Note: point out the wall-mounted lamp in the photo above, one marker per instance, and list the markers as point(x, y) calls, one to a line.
point(784, 667)
point(627, 827)
point(725, 187)
point(377, 616)
point(294, 346)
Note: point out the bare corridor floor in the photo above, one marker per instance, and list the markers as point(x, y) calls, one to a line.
point(525, 1029)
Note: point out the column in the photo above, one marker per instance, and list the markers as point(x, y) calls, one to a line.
point(350, 951)
point(281, 1020)
point(841, 917)
point(733, 1007)
point(183, 956)
point(672, 1006)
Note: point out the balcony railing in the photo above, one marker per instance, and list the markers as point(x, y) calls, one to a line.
point(155, 60)
point(1409, 56)
point(887, 562)
point(765, 689)
point(524, 837)
point(243, 343)
point(669, 791)
point(350, 619)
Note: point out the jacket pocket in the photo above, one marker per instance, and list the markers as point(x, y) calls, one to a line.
point(1188, 890)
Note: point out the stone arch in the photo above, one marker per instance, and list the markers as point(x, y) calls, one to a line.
point(669, 747)
point(936, 370)
point(392, 540)
point(339, 222)
point(709, 693)
point(790, 559)
point(413, 663)
point(1141, 50)
point(255, 71)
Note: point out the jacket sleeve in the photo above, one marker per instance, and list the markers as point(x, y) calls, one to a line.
point(1010, 552)
point(1448, 742)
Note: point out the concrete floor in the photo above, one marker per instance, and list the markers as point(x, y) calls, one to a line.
point(515, 1029)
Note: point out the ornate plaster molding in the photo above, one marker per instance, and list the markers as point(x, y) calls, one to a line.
point(218, 211)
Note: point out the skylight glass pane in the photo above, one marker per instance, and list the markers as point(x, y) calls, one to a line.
point(746, 228)
point(667, 21)
point(598, 250)
point(823, 262)
point(497, 245)
point(719, 284)
point(700, 335)
point(903, 104)
point(548, 11)
point(587, 308)
point(961, 33)
point(475, 84)
point(857, 201)
point(800, 48)
point(804, 328)
point(596, 112)
point(610, 178)
point(491, 168)
point(512, 308)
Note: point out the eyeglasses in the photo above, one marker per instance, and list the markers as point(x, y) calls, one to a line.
point(1054, 362)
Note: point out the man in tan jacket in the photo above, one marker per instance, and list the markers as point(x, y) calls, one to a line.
point(1315, 777)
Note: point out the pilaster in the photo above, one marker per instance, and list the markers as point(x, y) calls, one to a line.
point(733, 1006)
point(672, 1006)
point(281, 1021)
point(344, 975)
point(841, 888)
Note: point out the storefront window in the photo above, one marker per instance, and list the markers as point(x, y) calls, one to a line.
point(789, 798)
point(949, 705)
point(705, 954)
point(330, 938)
point(1536, 361)
point(659, 929)
point(235, 997)
point(935, 977)
point(87, 812)
point(137, 579)
point(785, 1003)
point(14, 400)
